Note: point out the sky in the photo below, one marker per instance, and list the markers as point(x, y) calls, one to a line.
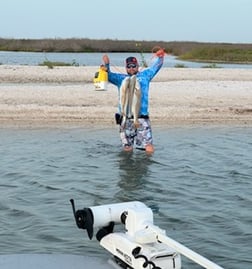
point(228, 21)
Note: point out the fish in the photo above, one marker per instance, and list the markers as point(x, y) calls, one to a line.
point(136, 103)
point(130, 100)
point(124, 98)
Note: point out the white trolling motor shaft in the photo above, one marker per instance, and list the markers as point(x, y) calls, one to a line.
point(190, 254)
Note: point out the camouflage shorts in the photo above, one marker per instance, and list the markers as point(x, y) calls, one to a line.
point(142, 136)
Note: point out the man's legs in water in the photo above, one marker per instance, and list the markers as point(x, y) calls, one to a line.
point(127, 135)
point(144, 138)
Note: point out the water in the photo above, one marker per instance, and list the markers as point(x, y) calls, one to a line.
point(198, 184)
point(94, 59)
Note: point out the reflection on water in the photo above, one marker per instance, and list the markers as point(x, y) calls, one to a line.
point(133, 169)
point(133, 172)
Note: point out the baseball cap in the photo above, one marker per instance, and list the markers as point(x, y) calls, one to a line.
point(131, 60)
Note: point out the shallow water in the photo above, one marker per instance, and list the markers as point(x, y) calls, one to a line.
point(95, 59)
point(198, 184)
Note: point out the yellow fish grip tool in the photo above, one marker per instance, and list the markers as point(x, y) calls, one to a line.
point(101, 79)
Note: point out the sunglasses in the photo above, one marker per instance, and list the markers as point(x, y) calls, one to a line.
point(131, 66)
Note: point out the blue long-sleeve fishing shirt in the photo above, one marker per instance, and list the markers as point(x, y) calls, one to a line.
point(144, 77)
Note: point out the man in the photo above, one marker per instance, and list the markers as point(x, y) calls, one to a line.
point(141, 133)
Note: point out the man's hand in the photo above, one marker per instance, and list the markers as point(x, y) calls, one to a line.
point(160, 53)
point(105, 59)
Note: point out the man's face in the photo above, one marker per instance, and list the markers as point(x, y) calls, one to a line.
point(132, 68)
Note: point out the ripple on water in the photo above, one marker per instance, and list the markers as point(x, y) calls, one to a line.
point(197, 183)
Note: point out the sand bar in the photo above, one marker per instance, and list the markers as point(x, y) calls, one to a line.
point(39, 96)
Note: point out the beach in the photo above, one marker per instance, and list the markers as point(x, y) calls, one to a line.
point(32, 96)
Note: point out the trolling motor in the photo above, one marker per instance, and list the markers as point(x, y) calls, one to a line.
point(142, 244)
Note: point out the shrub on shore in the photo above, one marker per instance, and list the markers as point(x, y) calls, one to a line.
point(219, 54)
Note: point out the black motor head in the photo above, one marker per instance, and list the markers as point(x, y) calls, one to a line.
point(84, 219)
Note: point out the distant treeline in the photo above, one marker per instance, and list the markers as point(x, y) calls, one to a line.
point(219, 52)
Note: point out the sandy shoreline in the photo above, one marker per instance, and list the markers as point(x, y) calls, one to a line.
point(38, 96)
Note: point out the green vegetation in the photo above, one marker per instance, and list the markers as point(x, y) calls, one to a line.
point(180, 66)
point(51, 64)
point(143, 60)
point(192, 51)
point(213, 65)
point(219, 54)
